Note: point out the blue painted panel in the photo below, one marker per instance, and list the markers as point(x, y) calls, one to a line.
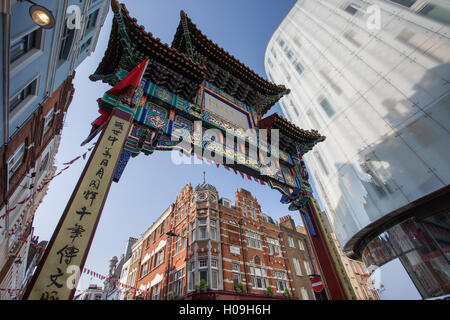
point(123, 161)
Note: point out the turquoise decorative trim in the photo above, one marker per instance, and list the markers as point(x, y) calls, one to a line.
point(155, 116)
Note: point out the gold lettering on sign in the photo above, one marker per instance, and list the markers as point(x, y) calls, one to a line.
point(73, 238)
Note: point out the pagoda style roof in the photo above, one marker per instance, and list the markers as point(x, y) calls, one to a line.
point(290, 133)
point(129, 44)
point(224, 70)
point(183, 67)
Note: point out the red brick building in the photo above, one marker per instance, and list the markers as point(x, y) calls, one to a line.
point(237, 249)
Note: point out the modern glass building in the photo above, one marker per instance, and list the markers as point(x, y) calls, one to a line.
point(373, 76)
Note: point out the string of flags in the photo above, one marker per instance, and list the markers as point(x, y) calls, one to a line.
point(44, 183)
point(17, 292)
point(34, 244)
point(86, 270)
point(235, 171)
point(115, 283)
point(11, 290)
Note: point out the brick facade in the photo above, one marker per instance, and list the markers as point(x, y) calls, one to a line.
point(214, 239)
point(32, 135)
point(300, 260)
point(37, 165)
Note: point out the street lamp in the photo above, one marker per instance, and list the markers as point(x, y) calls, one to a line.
point(171, 235)
point(41, 15)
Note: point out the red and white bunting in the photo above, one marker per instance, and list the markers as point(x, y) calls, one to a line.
point(44, 183)
point(236, 172)
point(116, 283)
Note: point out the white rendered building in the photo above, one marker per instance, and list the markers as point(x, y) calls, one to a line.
point(93, 292)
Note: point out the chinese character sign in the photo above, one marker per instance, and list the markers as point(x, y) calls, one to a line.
point(60, 272)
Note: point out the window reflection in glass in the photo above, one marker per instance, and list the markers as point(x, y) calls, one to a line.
point(423, 248)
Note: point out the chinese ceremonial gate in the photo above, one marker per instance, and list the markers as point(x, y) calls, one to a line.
point(163, 98)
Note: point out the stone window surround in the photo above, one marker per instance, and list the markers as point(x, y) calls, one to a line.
point(31, 55)
point(28, 100)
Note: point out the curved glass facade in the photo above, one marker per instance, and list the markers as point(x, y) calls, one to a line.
point(422, 247)
point(379, 93)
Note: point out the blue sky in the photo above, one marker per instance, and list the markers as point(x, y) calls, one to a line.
point(150, 184)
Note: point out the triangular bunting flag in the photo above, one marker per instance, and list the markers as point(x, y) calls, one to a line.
point(71, 162)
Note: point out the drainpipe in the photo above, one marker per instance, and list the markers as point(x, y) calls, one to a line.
point(243, 254)
point(169, 254)
point(5, 8)
point(286, 260)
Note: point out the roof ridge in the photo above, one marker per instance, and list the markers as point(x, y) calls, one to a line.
point(232, 57)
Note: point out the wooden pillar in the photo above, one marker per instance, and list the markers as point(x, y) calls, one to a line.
point(58, 272)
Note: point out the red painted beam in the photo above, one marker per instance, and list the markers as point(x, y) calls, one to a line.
point(328, 270)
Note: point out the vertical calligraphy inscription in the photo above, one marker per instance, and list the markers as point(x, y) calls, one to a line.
point(75, 232)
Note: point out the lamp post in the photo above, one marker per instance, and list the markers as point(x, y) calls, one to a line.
point(243, 254)
point(171, 235)
point(41, 15)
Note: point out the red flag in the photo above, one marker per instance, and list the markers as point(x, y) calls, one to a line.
point(133, 78)
point(235, 171)
point(262, 182)
point(249, 178)
point(226, 167)
point(218, 165)
point(84, 156)
point(242, 175)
